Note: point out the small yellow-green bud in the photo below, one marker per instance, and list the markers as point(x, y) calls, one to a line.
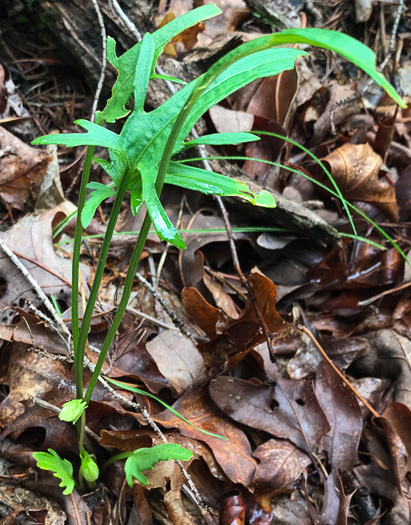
point(89, 468)
point(72, 410)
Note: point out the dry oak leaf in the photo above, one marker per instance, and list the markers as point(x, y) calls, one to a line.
point(22, 169)
point(234, 455)
point(355, 169)
point(31, 241)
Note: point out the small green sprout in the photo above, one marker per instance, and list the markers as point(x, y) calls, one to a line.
point(88, 467)
point(72, 410)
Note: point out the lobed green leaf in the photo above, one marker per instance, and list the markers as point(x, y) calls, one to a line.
point(143, 71)
point(96, 136)
point(209, 182)
point(61, 468)
point(101, 192)
point(125, 64)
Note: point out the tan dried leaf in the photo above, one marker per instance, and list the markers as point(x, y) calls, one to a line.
point(22, 169)
point(355, 168)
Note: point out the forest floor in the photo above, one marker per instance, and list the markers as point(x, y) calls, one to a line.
point(276, 328)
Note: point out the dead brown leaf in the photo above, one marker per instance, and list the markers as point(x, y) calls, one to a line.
point(22, 169)
point(31, 331)
point(236, 337)
point(355, 168)
point(344, 416)
point(203, 313)
point(29, 374)
point(228, 120)
point(281, 463)
point(178, 360)
point(399, 417)
point(220, 296)
point(31, 240)
point(233, 455)
point(288, 410)
point(389, 357)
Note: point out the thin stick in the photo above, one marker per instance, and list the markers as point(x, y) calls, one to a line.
point(366, 302)
point(341, 375)
point(104, 61)
point(126, 21)
point(178, 322)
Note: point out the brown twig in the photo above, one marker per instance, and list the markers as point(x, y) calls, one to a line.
point(340, 374)
point(366, 302)
point(175, 318)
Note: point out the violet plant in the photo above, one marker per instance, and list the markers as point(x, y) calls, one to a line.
point(142, 160)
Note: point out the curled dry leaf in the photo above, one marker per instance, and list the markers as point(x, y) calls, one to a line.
point(232, 339)
point(355, 169)
point(398, 416)
point(220, 296)
point(234, 509)
point(22, 169)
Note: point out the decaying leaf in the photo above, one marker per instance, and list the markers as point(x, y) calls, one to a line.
point(177, 359)
point(232, 339)
point(344, 416)
point(389, 357)
point(355, 168)
point(281, 463)
point(22, 169)
point(31, 331)
point(29, 374)
point(289, 410)
point(31, 240)
point(233, 455)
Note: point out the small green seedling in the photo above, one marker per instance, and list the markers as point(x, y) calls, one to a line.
point(142, 158)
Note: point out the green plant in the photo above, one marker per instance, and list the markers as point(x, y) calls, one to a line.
point(140, 163)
